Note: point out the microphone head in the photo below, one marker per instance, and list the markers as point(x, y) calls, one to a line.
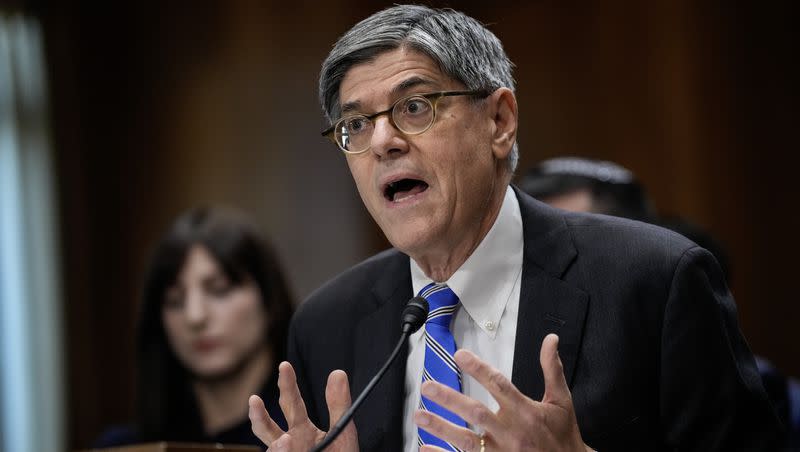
point(414, 314)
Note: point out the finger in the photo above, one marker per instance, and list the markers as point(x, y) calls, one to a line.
point(504, 392)
point(337, 394)
point(469, 409)
point(290, 400)
point(556, 390)
point(262, 424)
point(443, 429)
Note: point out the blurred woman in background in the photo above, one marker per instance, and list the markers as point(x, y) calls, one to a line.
point(212, 330)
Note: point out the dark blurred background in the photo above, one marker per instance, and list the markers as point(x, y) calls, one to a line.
point(157, 107)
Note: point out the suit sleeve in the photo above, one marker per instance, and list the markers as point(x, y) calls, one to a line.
point(711, 395)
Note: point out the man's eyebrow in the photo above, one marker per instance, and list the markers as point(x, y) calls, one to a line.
point(409, 83)
point(351, 106)
point(399, 89)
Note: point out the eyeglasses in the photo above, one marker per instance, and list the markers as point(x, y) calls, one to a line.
point(411, 115)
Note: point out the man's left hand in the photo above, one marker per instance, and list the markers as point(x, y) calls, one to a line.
point(520, 424)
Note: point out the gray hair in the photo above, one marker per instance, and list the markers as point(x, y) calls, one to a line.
point(462, 47)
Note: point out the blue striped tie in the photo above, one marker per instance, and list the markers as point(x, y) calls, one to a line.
point(439, 349)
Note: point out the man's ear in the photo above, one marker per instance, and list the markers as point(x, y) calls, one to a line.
point(503, 106)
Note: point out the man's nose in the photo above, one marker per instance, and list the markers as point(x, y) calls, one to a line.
point(387, 140)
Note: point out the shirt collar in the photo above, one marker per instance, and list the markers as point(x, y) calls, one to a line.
point(485, 281)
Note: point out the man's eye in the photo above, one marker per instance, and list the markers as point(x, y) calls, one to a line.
point(356, 125)
point(415, 106)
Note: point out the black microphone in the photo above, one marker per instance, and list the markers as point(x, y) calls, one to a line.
point(414, 315)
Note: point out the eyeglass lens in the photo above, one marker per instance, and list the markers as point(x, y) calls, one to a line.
point(412, 115)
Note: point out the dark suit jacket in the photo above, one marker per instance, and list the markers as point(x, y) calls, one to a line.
point(648, 337)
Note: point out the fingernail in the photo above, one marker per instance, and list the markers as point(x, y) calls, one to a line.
point(421, 418)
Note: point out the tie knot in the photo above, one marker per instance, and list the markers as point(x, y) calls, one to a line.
point(442, 302)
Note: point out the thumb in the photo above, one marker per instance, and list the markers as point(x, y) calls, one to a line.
point(556, 390)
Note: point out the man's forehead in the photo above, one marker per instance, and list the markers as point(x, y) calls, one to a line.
point(392, 73)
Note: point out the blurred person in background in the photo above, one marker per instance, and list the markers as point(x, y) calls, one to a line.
point(603, 187)
point(583, 185)
point(212, 330)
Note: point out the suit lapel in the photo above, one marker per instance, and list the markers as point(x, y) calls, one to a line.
point(380, 419)
point(547, 303)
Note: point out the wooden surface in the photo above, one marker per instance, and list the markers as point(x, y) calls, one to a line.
point(177, 447)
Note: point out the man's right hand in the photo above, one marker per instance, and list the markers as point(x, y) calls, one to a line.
point(303, 434)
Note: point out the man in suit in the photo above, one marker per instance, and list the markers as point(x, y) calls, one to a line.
point(634, 329)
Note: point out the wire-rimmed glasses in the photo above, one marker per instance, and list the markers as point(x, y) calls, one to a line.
point(411, 115)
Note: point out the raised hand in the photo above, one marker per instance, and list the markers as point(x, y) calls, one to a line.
point(303, 434)
point(520, 424)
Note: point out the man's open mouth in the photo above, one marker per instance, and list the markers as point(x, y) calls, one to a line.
point(404, 188)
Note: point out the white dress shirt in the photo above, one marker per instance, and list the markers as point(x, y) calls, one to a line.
point(488, 285)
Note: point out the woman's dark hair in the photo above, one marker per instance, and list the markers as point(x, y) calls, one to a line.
point(166, 406)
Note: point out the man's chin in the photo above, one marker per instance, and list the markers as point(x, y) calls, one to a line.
point(411, 239)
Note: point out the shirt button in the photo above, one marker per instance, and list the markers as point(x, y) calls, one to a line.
point(489, 325)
